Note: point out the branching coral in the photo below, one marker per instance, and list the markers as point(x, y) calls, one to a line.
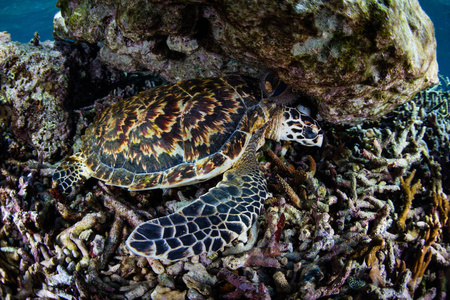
point(369, 252)
point(295, 199)
point(369, 184)
point(424, 256)
point(298, 178)
point(437, 98)
point(410, 190)
point(441, 201)
point(89, 221)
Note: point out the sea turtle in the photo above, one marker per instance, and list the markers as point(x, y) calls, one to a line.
point(183, 133)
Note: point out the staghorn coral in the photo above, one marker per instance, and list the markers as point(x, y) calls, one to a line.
point(89, 221)
point(424, 256)
point(368, 182)
point(410, 190)
point(199, 279)
point(437, 98)
point(161, 293)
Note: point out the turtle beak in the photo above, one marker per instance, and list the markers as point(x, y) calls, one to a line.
point(318, 141)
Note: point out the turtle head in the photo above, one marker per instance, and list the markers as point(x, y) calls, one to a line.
point(299, 127)
point(289, 123)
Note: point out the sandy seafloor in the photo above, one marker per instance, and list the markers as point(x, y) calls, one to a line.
point(365, 216)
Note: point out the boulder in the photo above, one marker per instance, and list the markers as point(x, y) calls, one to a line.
point(40, 82)
point(359, 59)
point(33, 87)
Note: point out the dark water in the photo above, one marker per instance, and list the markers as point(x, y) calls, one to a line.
point(23, 18)
point(439, 13)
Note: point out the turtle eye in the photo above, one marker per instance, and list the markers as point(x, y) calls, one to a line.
point(273, 85)
point(279, 89)
point(276, 89)
point(310, 133)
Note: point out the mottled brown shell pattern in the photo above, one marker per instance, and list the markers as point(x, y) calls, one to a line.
point(175, 134)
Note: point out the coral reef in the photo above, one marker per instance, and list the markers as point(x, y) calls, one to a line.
point(367, 214)
point(34, 87)
point(360, 59)
point(39, 81)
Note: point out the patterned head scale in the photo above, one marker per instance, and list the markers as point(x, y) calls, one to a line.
point(299, 127)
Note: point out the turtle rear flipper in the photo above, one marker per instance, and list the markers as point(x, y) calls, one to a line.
point(207, 225)
point(71, 173)
point(225, 213)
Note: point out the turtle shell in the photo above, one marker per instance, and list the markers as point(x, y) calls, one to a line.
point(175, 134)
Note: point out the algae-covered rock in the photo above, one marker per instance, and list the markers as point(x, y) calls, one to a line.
point(38, 83)
point(33, 86)
point(360, 59)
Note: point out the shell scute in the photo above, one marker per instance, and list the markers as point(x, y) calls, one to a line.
point(144, 181)
point(210, 165)
point(120, 160)
point(103, 171)
point(246, 88)
point(200, 85)
point(141, 134)
point(235, 146)
point(178, 174)
point(158, 140)
point(208, 121)
point(93, 162)
point(121, 177)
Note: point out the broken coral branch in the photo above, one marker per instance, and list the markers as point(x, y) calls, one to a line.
point(409, 191)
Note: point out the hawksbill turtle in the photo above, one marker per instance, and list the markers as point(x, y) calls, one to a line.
point(183, 133)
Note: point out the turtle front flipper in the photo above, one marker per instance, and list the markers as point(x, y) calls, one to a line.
point(225, 213)
point(71, 173)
